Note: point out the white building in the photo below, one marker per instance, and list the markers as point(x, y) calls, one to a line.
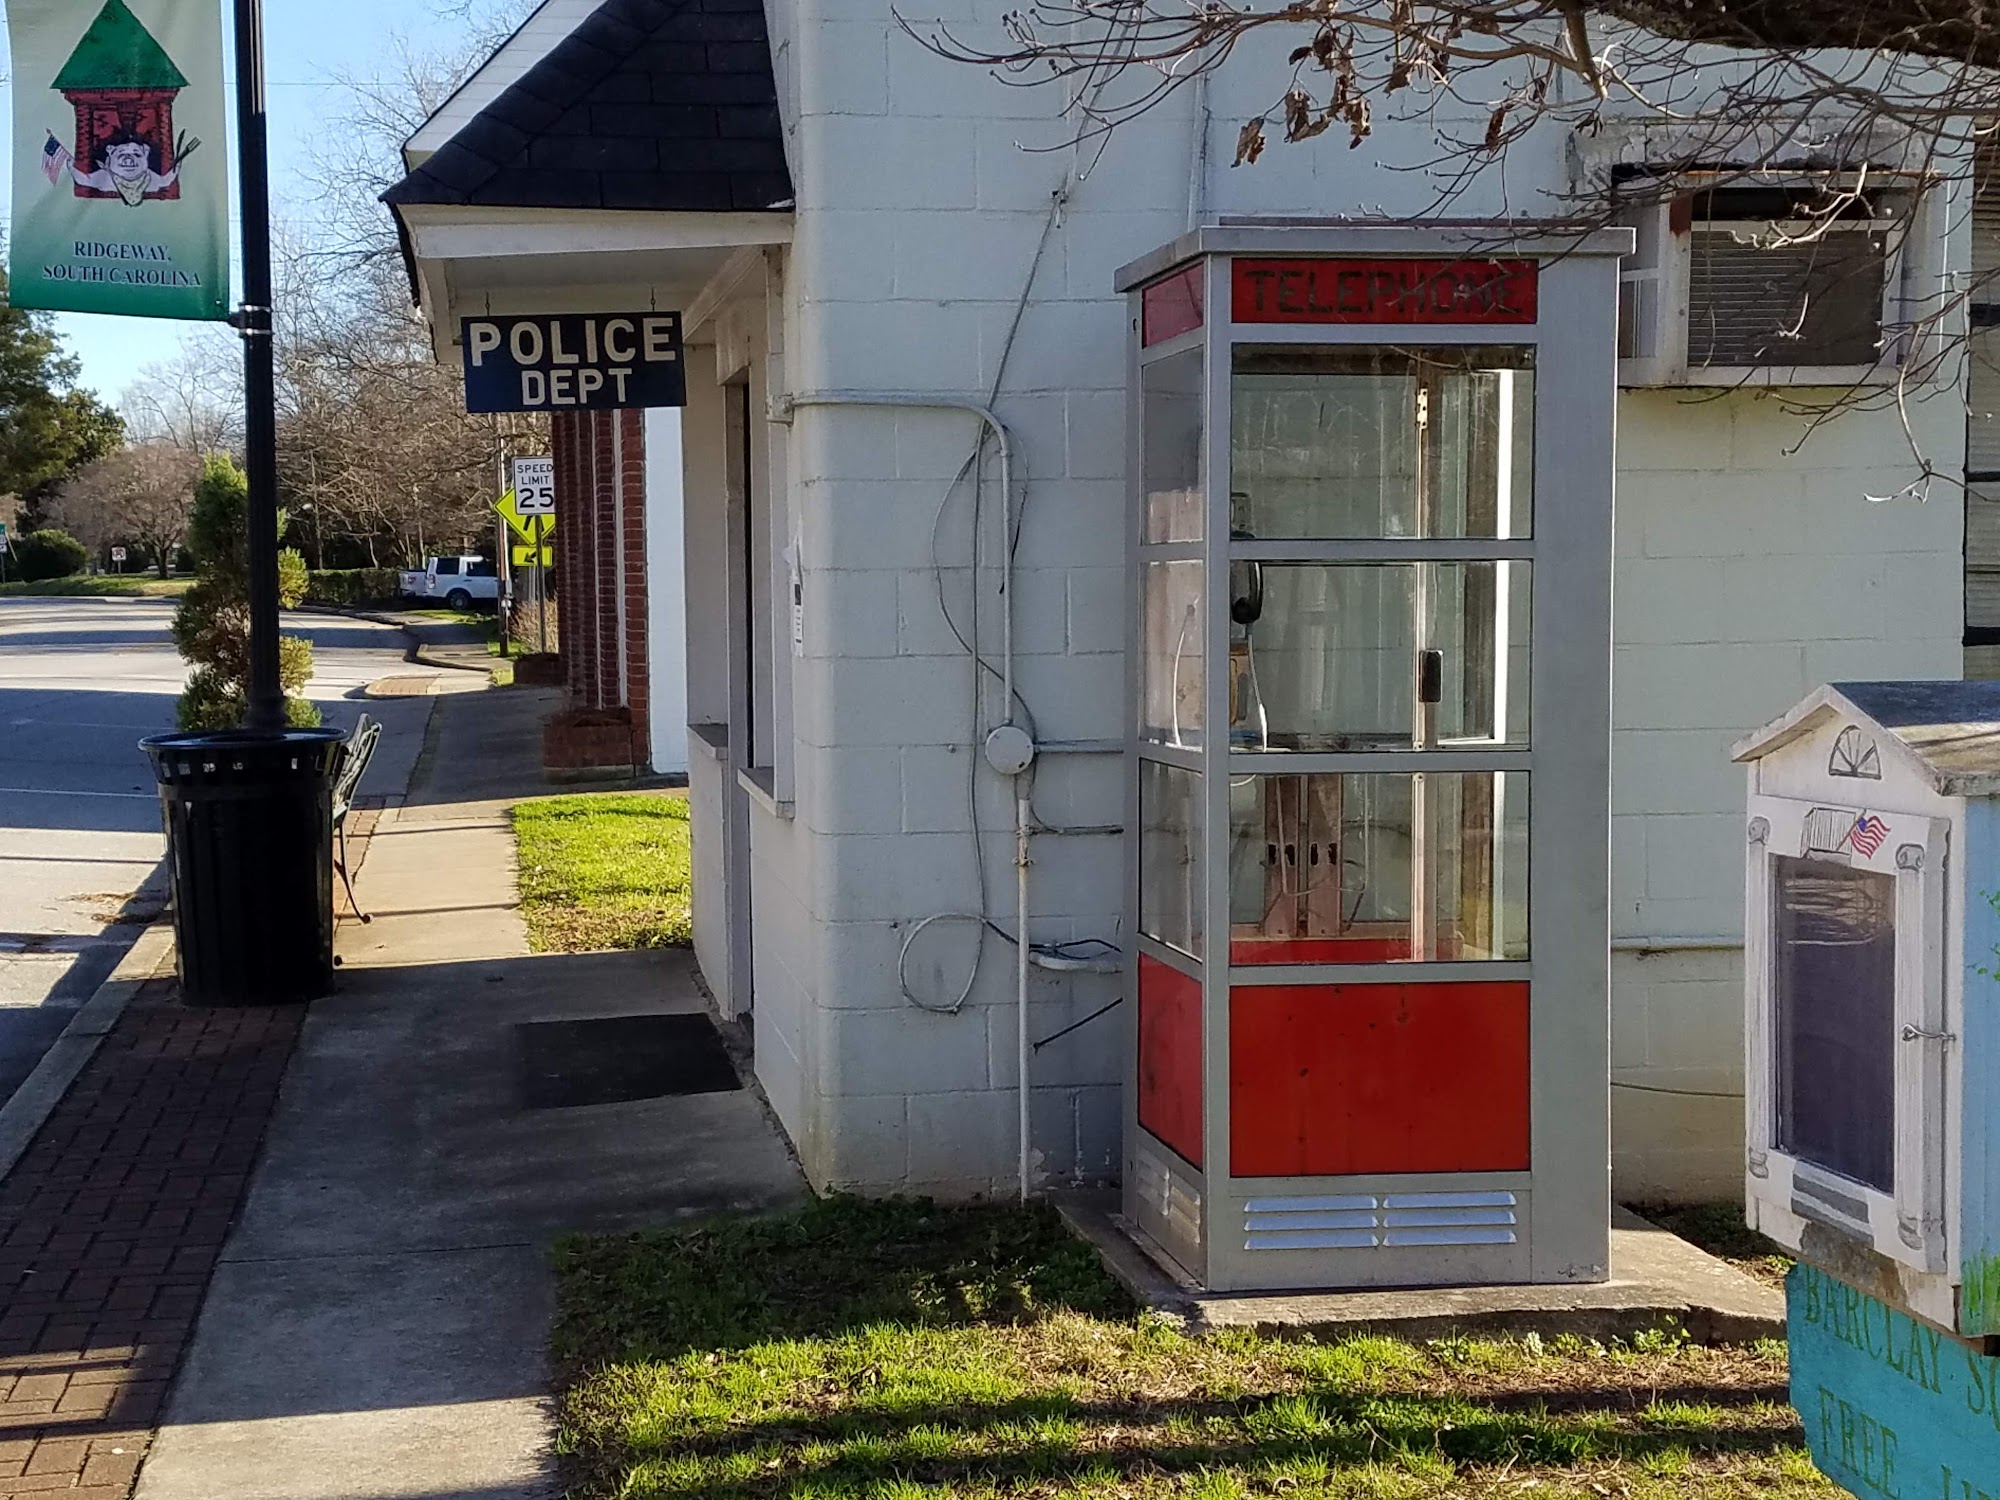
point(865, 236)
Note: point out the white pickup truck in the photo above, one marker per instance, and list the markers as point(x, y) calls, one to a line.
point(458, 581)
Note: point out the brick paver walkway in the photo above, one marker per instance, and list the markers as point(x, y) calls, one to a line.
point(109, 1227)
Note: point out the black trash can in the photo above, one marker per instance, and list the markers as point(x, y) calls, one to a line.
point(250, 846)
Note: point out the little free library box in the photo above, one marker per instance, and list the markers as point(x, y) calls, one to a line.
point(1872, 1072)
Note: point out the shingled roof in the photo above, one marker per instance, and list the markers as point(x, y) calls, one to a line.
point(648, 104)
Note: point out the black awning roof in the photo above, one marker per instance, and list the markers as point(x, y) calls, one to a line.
point(649, 104)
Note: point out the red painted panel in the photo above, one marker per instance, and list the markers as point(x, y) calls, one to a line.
point(1383, 291)
point(1351, 1078)
point(1367, 950)
point(1171, 306)
point(1170, 1056)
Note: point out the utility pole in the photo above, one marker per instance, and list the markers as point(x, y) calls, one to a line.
point(265, 709)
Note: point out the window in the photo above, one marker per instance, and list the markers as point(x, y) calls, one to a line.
point(1172, 872)
point(1172, 653)
point(1372, 868)
point(1170, 419)
point(1379, 442)
point(479, 567)
point(753, 591)
point(1982, 436)
point(1795, 281)
point(1834, 989)
point(447, 567)
point(1379, 656)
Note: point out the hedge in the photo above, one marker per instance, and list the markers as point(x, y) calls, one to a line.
point(353, 586)
point(42, 555)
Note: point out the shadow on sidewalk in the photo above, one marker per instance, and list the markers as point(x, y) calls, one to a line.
point(393, 1251)
point(486, 747)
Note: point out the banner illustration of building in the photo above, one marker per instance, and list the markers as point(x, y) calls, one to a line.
point(116, 208)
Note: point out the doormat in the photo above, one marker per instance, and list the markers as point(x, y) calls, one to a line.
point(617, 1059)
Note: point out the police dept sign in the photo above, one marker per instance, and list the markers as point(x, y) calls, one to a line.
point(573, 362)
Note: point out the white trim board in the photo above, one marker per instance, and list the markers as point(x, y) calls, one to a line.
point(538, 36)
point(458, 232)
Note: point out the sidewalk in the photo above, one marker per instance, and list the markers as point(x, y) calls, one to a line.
point(376, 1320)
point(117, 1210)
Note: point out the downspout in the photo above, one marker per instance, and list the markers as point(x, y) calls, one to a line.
point(1023, 816)
point(1197, 203)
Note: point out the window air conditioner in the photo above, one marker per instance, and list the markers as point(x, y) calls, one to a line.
point(1737, 286)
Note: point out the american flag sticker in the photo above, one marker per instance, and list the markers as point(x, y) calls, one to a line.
point(1867, 835)
point(55, 160)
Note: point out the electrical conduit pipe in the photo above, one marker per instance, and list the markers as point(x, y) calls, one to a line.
point(1023, 815)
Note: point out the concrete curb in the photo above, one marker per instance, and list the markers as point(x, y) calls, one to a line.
point(1664, 1285)
point(24, 1114)
point(418, 654)
point(413, 652)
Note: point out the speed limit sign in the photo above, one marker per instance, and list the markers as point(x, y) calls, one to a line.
point(535, 486)
point(118, 554)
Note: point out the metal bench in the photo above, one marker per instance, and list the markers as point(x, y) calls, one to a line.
point(359, 751)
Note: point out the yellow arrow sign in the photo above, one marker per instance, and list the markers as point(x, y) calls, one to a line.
point(530, 529)
point(525, 556)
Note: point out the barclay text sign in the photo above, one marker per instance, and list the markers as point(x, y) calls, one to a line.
point(1893, 1408)
point(573, 361)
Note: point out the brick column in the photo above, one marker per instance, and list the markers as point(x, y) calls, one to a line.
point(572, 542)
point(601, 557)
point(605, 580)
point(632, 520)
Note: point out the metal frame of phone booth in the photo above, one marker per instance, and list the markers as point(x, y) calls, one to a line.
point(1370, 1039)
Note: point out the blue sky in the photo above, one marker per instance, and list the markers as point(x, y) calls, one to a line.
point(308, 44)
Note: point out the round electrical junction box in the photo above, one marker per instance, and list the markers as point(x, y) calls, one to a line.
point(1009, 750)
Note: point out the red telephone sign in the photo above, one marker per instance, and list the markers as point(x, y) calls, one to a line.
point(1327, 290)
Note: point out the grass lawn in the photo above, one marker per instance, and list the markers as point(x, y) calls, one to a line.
point(486, 619)
point(103, 586)
point(896, 1351)
point(604, 870)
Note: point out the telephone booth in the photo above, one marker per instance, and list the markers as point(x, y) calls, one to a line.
point(1370, 763)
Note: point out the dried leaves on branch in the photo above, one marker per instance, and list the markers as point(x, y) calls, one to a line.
point(1843, 113)
point(1738, 86)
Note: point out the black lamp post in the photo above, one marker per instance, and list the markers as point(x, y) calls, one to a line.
point(265, 707)
point(249, 812)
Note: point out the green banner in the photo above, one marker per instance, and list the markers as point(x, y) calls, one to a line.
point(121, 181)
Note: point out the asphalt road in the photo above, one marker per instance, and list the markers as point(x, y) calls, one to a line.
point(81, 681)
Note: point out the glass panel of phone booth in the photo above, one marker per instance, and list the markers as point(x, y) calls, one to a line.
point(1172, 871)
point(1373, 868)
point(1374, 441)
point(1173, 657)
point(1378, 656)
point(1170, 425)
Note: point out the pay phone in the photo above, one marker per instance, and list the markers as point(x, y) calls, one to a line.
point(1372, 624)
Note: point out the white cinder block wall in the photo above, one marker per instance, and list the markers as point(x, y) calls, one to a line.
point(1752, 567)
point(1745, 573)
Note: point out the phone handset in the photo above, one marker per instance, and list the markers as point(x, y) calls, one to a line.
point(1246, 587)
